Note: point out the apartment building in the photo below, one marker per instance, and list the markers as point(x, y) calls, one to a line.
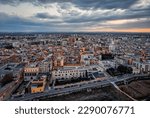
point(38, 85)
point(68, 73)
point(30, 72)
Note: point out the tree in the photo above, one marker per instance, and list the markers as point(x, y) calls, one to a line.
point(130, 70)
point(111, 71)
point(124, 69)
point(7, 79)
point(107, 56)
point(9, 47)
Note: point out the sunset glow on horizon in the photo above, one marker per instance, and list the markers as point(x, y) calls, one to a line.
point(144, 30)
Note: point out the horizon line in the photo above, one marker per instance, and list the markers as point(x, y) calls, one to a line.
point(66, 32)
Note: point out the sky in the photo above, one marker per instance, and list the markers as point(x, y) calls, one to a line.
point(74, 15)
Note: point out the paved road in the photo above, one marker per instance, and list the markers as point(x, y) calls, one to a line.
point(76, 87)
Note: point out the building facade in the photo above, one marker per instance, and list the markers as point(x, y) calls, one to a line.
point(30, 73)
point(38, 85)
point(68, 73)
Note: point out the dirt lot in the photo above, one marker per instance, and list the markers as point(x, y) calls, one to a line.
point(104, 94)
point(139, 90)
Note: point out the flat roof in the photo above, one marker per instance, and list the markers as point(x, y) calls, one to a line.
point(36, 85)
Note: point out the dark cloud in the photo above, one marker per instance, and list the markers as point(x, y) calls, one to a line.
point(128, 14)
point(35, 2)
point(76, 17)
point(84, 4)
point(15, 23)
point(15, 20)
point(45, 16)
point(72, 19)
point(106, 4)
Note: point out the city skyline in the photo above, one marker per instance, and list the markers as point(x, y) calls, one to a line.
point(86, 66)
point(75, 16)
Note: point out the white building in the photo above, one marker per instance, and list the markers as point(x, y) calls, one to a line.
point(85, 58)
point(135, 70)
point(16, 44)
point(108, 64)
point(120, 60)
point(30, 72)
point(112, 46)
point(68, 73)
point(45, 67)
point(143, 67)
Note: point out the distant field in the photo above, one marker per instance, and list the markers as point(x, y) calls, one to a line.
point(139, 90)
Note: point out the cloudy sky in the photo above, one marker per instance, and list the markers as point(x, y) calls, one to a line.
point(74, 15)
